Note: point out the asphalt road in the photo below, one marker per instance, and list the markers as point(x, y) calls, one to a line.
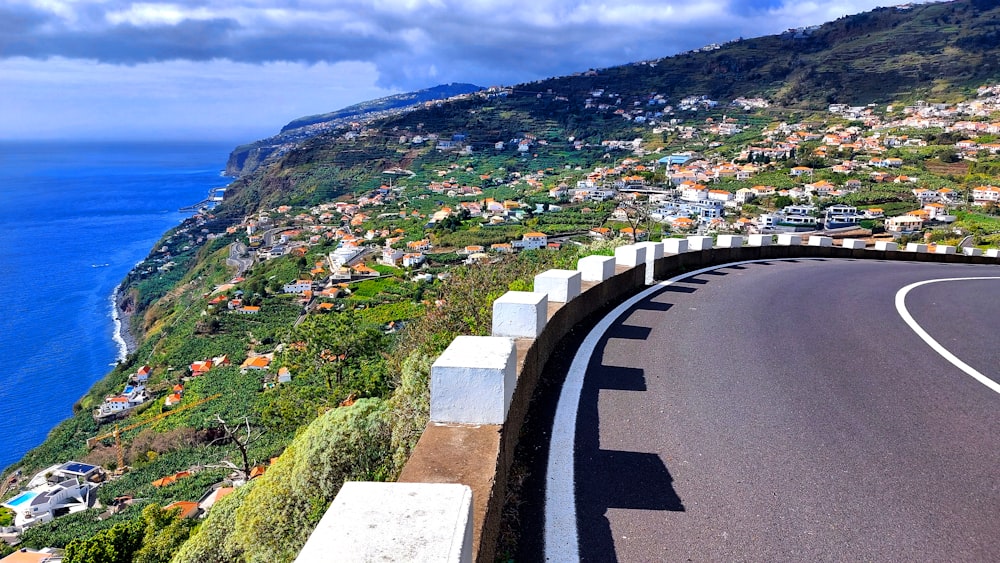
point(783, 411)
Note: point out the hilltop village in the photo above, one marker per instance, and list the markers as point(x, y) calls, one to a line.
point(382, 256)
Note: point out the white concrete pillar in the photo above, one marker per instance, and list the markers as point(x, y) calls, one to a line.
point(654, 251)
point(759, 240)
point(944, 249)
point(916, 247)
point(520, 314)
point(698, 242)
point(816, 240)
point(675, 245)
point(972, 251)
point(788, 239)
point(992, 253)
point(853, 244)
point(473, 380)
point(729, 241)
point(394, 522)
point(562, 286)
point(886, 245)
point(630, 255)
point(596, 268)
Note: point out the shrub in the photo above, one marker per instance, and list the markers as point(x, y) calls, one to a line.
point(279, 511)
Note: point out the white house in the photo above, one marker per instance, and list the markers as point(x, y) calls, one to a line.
point(117, 403)
point(985, 194)
point(412, 259)
point(903, 223)
point(391, 256)
point(694, 192)
point(57, 490)
point(298, 286)
point(284, 376)
point(744, 195)
point(721, 195)
point(531, 241)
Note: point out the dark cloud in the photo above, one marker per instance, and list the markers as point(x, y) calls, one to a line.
point(414, 43)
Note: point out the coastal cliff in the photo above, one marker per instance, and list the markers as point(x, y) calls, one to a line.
point(245, 159)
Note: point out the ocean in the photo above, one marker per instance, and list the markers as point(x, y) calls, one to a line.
point(74, 219)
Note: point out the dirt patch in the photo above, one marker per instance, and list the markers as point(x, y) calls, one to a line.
point(939, 168)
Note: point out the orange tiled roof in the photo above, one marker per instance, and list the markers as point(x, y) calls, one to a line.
point(188, 509)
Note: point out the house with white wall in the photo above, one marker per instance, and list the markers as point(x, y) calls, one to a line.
point(985, 194)
point(298, 286)
point(904, 223)
point(531, 241)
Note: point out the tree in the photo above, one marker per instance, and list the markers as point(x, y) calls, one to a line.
point(636, 211)
point(782, 201)
point(164, 534)
point(241, 434)
point(116, 544)
point(339, 343)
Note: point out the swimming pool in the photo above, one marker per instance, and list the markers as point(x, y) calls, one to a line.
point(20, 499)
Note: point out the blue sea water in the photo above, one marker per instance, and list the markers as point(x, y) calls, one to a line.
point(74, 219)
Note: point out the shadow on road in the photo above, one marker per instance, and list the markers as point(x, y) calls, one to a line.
point(609, 479)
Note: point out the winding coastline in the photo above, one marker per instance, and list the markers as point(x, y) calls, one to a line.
point(82, 205)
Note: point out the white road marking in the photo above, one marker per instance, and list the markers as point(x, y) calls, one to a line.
point(908, 319)
point(562, 542)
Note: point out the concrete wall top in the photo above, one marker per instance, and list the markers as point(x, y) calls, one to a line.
point(394, 522)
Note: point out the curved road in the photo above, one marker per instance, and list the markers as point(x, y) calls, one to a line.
point(784, 411)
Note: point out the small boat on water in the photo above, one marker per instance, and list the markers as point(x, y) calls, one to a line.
point(99, 265)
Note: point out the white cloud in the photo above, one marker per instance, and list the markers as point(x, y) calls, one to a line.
point(146, 14)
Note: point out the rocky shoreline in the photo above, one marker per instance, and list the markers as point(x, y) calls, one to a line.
point(121, 312)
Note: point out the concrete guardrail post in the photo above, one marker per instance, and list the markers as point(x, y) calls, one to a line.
point(972, 251)
point(698, 242)
point(786, 239)
point(654, 251)
point(759, 240)
point(886, 246)
point(596, 268)
point(630, 255)
point(853, 244)
point(473, 380)
point(520, 314)
point(729, 241)
point(816, 240)
point(561, 286)
point(394, 522)
point(992, 253)
point(675, 245)
point(916, 247)
point(944, 249)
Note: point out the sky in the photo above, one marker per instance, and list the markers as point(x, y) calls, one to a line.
point(240, 69)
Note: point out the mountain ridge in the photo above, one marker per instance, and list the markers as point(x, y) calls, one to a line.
point(936, 51)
